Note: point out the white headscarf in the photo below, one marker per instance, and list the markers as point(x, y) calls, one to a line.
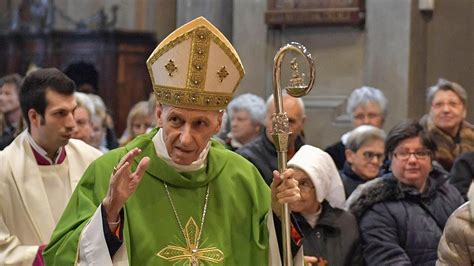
point(322, 171)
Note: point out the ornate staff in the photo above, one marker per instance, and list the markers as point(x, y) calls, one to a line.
point(280, 125)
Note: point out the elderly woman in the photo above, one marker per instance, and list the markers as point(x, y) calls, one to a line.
point(330, 233)
point(246, 116)
point(402, 214)
point(446, 121)
point(99, 125)
point(83, 114)
point(366, 106)
point(365, 154)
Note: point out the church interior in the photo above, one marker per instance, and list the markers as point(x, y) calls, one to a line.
point(401, 47)
point(236, 132)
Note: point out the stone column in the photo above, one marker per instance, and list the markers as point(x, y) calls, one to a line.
point(388, 53)
point(250, 41)
point(218, 12)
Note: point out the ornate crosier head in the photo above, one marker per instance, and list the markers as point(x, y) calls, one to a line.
point(195, 67)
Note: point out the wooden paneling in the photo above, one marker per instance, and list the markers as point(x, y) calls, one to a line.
point(118, 56)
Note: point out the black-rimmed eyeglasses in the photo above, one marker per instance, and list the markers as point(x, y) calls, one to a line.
point(369, 155)
point(405, 155)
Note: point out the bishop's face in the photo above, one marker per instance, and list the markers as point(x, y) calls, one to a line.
point(186, 132)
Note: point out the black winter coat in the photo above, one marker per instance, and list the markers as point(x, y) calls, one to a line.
point(262, 153)
point(350, 179)
point(337, 151)
point(335, 238)
point(398, 224)
point(462, 173)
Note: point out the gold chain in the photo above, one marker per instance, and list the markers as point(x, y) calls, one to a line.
point(204, 210)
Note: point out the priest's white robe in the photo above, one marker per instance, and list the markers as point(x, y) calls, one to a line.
point(26, 217)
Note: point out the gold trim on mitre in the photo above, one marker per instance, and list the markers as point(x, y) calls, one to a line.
point(198, 51)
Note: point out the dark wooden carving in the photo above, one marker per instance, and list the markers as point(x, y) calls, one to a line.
point(315, 12)
point(118, 56)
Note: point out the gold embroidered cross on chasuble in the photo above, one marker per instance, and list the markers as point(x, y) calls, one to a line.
point(190, 254)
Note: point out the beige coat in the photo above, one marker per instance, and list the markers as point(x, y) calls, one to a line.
point(26, 220)
point(456, 246)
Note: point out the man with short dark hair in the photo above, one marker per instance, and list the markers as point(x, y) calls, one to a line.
point(40, 168)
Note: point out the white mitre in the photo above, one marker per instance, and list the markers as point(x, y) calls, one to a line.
point(195, 67)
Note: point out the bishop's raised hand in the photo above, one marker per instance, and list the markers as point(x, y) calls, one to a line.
point(123, 184)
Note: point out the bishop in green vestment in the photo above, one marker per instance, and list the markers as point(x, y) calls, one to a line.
point(174, 196)
point(234, 230)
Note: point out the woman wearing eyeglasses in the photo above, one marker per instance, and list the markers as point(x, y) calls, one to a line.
point(331, 235)
point(364, 156)
point(402, 214)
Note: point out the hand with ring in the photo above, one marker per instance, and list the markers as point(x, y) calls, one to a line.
point(123, 183)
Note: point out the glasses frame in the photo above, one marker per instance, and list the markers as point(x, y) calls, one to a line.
point(304, 187)
point(419, 155)
point(369, 156)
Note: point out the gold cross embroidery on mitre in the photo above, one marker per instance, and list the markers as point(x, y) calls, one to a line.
point(222, 73)
point(171, 67)
point(191, 252)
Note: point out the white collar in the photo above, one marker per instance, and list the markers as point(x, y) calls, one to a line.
point(162, 152)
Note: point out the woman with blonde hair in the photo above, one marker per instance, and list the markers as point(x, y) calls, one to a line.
point(138, 122)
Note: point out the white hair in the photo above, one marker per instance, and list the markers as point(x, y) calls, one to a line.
point(251, 103)
point(364, 95)
point(361, 134)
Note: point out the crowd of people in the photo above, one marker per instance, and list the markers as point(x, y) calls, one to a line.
point(194, 180)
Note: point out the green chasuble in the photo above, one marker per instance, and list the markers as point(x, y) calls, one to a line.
point(234, 232)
